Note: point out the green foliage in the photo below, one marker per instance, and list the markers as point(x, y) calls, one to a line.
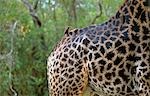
point(32, 45)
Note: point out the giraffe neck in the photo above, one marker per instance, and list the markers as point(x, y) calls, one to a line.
point(134, 14)
point(133, 21)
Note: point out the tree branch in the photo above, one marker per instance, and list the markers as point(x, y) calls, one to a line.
point(99, 14)
point(10, 59)
point(32, 12)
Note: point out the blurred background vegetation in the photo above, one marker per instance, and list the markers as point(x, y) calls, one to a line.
point(29, 29)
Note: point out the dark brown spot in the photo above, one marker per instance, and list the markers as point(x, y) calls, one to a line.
point(102, 62)
point(135, 37)
point(86, 42)
point(145, 30)
point(90, 56)
point(102, 50)
point(97, 55)
point(133, 58)
point(122, 49)
point(118, 60)
point(118, 43)
point(108, 45)
point(138, 13)
point(131, 9)
point(131, 47)
point(100, 78)
point(94, 48)
point(110, 55)
point(123, 75)
point(108, 76)
point(117, 81)
point(143, 17)
point(109, 66)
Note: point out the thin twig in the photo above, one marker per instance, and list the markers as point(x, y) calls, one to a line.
point(32, 12)
point(10, 58)
point(36, 5)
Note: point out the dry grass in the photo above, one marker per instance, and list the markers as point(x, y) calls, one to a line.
point(89, 92)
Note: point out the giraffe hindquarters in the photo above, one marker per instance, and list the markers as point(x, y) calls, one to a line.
point(66, 79)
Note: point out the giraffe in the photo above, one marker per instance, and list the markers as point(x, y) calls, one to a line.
point(111, 58)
